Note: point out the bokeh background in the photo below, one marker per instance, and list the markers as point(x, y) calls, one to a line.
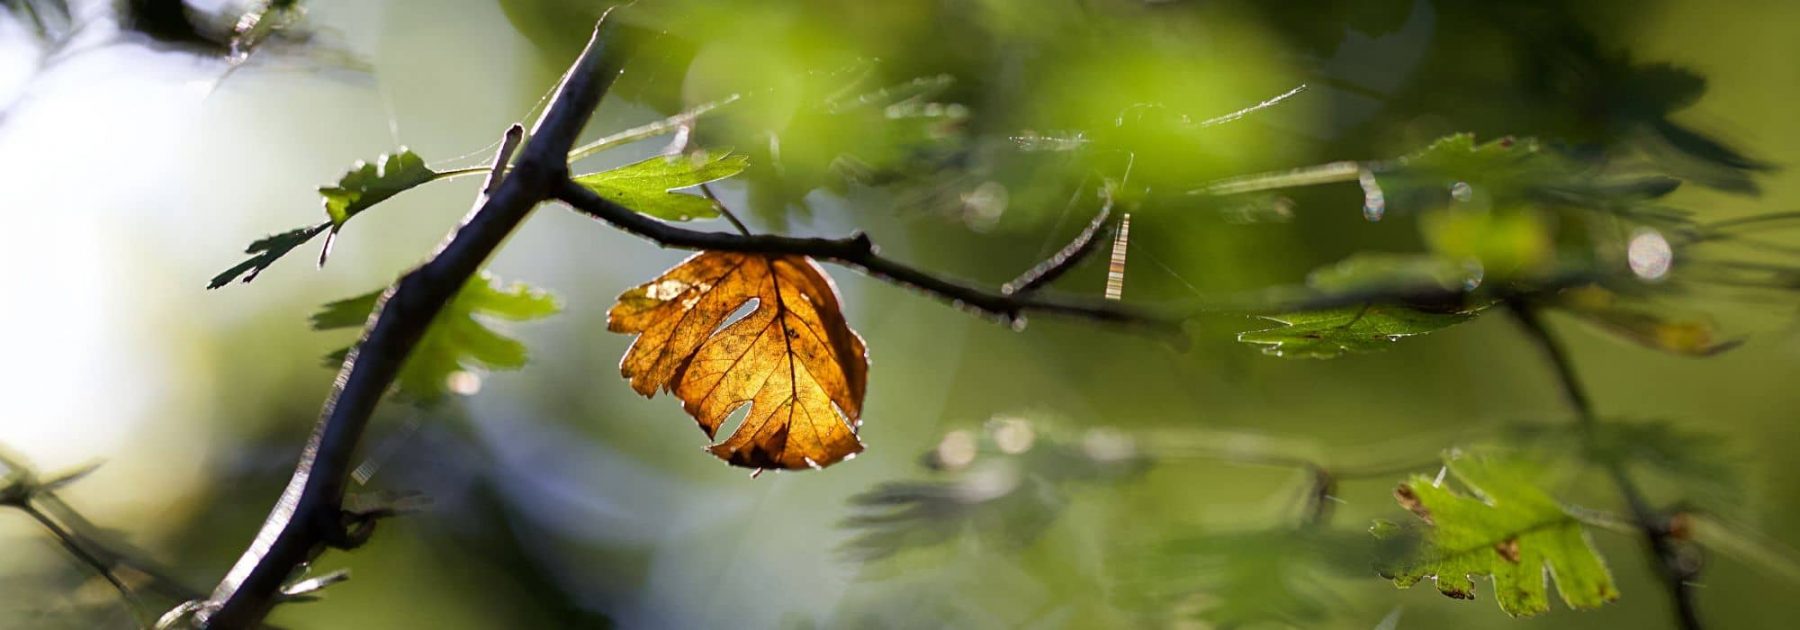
point(133, 168)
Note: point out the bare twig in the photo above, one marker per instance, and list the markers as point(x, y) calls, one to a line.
point(1677, 573)
point(729, 215)
point(1064, 259)
point(856, 251)
point(309, 516)
point(502, 156)
point(76, 548)
point(36, 497)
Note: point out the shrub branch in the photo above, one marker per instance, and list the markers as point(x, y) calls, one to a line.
point(1677, 573)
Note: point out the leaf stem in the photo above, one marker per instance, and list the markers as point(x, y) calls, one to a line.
point(1654, 526)
point(729, 216)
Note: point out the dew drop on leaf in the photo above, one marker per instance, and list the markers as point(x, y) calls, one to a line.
point(1461, 191)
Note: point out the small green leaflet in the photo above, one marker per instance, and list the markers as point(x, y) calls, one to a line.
point(457, 341)
point(265, 251)
point(647, 186)
point(368, 184)
point(1334, 332)
point(363, 186)
point(1507, 528)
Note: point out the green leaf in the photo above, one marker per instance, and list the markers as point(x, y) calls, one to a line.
point(647, 186)
point(1459, 155)
point(265, 252)
point(1505, 527)
point(368, 184)
point(1334, 332)
point(458, 340)
point(1370, 271)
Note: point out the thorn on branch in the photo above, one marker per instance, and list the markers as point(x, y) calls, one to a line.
point(308, 590)
point(503, 156)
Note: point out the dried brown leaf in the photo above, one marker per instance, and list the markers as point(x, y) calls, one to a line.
point(793, 358)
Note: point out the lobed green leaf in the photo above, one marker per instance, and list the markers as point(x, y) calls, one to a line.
point(1507, 528)
point(457, 341)
point(648, 186)
point(368, 184)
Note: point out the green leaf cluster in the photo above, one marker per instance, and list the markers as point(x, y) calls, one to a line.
point(458, 339)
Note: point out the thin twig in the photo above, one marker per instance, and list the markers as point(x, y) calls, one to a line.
point(729, 216)
point(502, 157)
point(1066, 258)
point(113, 555)
point(309, 516)
point(649, 130)
point(75, 548)
point(1654, 526)
point(857, 251)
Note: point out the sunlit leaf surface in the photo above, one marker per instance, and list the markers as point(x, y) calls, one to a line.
point(793, 359)
point(648, 186)
point(1333, 332)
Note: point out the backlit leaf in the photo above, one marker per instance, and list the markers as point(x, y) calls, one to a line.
point(363, 186)
point(1333, 332)
point(1505, 527)
point(793, 358)
point(648, 186)
point(265, 252)
point(458, 341)
point(368, 184)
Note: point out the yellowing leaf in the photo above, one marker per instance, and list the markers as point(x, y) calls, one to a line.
point(793, 358)
point(1641, 325)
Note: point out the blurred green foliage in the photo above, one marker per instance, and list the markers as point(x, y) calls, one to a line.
point(1507, 148)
